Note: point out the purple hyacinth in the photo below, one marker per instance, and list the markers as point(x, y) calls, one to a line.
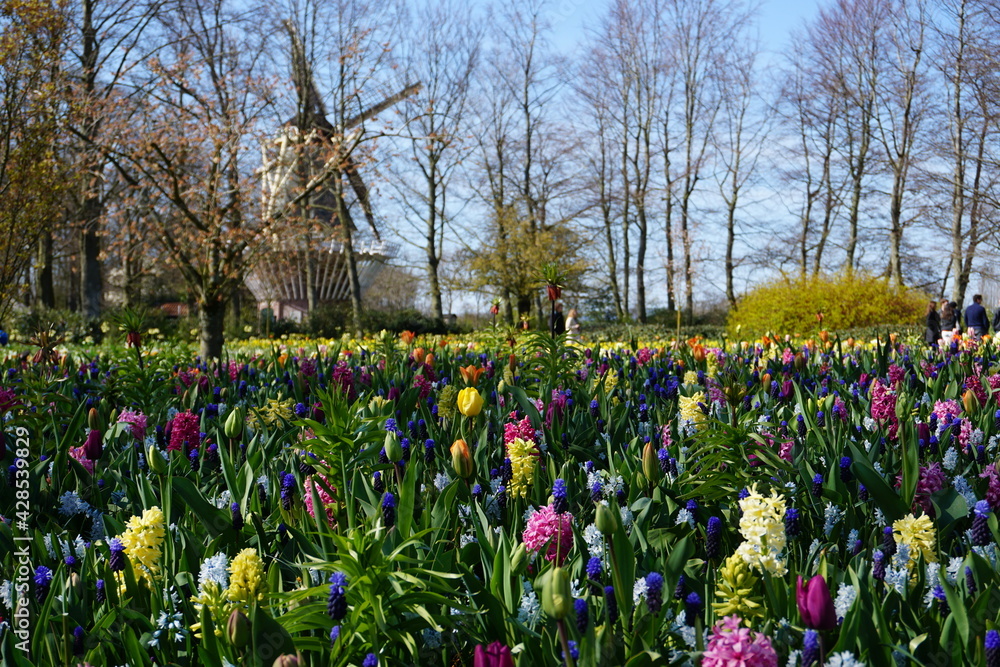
point(336, 603)
point(610, 603)
point(792, 527)
point(389, 509)
point(845, 469)
point(371, 660)
point(663, 456)
point(888, 542)
point(692, 608)
point(820, 419)
point(117, 562)
point(981, 535)
point(78, 635)
point(477, 491)
point(713, 538)
point(377, 482)
point(878, 565)
point(810, 648)
point(817, 485)
point(594, 568)
point(680, 589)
point(43, 579)
point(428, 450)
point(970, 580)
point(237, 516)
point(942, 599)
point(287, 489)
point(582, 616)
point(102, 593)
point(654, 592)
point(596, 491)
point(334, 634)
point(559, 502)
point(863, 494)
point(992, 645)
point(193, 458)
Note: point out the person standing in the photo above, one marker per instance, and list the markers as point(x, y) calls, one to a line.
point(975, 317)
point(932, 334)
point(573, 323)
point(557, 322)
point(996, 318)
point(948, 321)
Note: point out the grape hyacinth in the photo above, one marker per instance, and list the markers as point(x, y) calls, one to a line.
point(713, 538)
point(692, 608)
point(117, 562)
point(992, 646)
point(654, 592)
point(981, 535)
point(389, 509)
point(237, 516)
point(970, 580)
point(610, 603)
point(582, 616)
point(810, 648)
point(336, 605)
point(102, 593)
point(792, 528)
point(43, 579)
point(559, 502)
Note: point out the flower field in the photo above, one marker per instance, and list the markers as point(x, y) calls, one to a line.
point(502, 501)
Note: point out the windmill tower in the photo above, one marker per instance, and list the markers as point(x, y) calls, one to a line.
point(301, 270)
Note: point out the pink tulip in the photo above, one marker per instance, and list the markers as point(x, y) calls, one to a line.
point(815, 604)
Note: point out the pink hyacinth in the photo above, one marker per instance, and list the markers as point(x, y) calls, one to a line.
point(896, 375)
point(644, 355)
point(81, 458)
point(944, 408)
point(932, 479)
point(518, 429)
point(328, 501)
point(137, 422)
point(884, 407)
point(556, 408)
point(186, 428)
point(993, 490)
point(732, 645)
point(548, 528)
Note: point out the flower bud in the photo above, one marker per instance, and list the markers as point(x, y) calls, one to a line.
point(605, 520)
point(557, 599)
point(93, 447)
point(93, 420)
point(238, 629)
point(650, 463)
point(517, 558)
point(393, 449)
point(287, 660)
point(970, 401)
point(461, 459)
point(234, 423)
point(74, 584)
point(155, 460)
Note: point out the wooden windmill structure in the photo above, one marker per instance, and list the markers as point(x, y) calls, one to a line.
point(299, 271)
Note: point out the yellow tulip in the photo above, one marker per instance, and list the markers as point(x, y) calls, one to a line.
point(470, 403)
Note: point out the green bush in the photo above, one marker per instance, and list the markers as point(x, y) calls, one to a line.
point(790, 305)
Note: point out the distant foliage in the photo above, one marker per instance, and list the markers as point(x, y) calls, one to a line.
point(790, 305)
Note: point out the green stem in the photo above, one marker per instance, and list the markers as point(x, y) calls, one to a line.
point(564, 640)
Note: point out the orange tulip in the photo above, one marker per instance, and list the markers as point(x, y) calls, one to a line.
point(407, 337)
point(461, 459)
point(419, 354)
point(471, 374)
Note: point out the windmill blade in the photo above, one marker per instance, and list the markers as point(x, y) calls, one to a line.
point(361, 191)
point(311, 110)
point(382, 106)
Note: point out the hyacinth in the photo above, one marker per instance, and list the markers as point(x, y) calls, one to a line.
point(136, 422)
point(944, 409)
point(550, 530)
point(734, 590)
point(213, 580)
point(447, 401)
point(690, 410)
point(732, 645)
point(932, 479)
point(326, 500)
point(273, 412)
point(185, 427)
point(80, 457)
point(246, 578)
point(523, 455)
point(884, 407)
point(143, 541)
point(515, 429)
point(763, 528)
point(918, 534)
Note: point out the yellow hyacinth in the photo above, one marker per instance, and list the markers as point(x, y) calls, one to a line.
point(763, 528)
point(690, 410)
point(734, 590)
point(274, 411)
point(246, 580)
point(523, 455)
point(691, 378)
point(447, 401)
point(143, 541)
point(918, 534)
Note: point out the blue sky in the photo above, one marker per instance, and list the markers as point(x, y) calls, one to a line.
point(777, 20)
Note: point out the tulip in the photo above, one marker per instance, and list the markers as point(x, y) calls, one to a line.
point(393, 448)
point(494, 655)
point(238, 629)
point(650, 463)
point(518, 558)
point(287, 660)
point(471, 374)
point(970, 401)
point(155, 460)
point(407, 337)
point(605, 520)
point(461, 459)
point(470, 403)
point(234, 424)
point(93, 447)
point(815, 604)
point(93, 420)
point(557, 598)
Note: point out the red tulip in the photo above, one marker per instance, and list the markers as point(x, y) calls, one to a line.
point(494, 655)
point(93, 447)
point(815, 604)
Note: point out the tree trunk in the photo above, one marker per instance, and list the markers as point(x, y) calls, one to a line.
point(91, 279)
point(211, 327)
point(46, 290)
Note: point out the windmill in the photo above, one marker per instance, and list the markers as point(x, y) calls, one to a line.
point(296, 273)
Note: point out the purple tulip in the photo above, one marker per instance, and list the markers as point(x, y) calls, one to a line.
point(93, 448)
point(815, 603)
point(494, 655)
